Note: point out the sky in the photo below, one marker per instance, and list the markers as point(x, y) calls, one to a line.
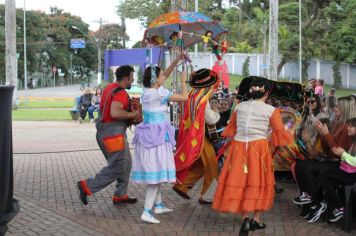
point(90, 11)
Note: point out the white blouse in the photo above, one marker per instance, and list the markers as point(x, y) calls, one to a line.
point(253, 120)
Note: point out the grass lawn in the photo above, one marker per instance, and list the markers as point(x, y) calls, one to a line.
point(41, 115)
point(46, 104)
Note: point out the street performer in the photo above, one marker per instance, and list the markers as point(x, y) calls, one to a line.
point(246, 183)
point(195, 155)
point(112, 140)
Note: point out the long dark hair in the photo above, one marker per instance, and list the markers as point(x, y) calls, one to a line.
point(147, 76)
point(316, 111)
point(96, 91)
point(260, 82)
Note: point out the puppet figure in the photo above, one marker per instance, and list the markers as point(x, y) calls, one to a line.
point(224, 46)
point(206, 39)
point(216, 51)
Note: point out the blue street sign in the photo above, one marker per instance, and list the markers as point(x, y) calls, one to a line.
point(77, 43)
point(264, 66)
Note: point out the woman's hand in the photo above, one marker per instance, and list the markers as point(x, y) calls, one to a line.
point(322, 128)
point(338, 151)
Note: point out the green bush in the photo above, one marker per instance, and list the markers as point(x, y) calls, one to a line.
point(337, 75)
point(245, 66)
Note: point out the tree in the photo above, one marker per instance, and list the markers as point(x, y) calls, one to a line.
point(337, 75)
point(245, 68)
point(243, 47)
point(48, 41)
point(112, 36)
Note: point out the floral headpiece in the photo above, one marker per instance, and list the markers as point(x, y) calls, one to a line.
point(257, 89)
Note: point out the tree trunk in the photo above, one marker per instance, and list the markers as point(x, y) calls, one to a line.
point(10, 51)
point(281, 64)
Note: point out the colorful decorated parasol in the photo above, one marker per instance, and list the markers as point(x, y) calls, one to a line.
point(194, 26)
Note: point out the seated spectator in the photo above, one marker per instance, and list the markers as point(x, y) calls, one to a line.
point(84, 104)
point(224, 108)
point(95, 104)
point(307, 171)
point(214, 103)
point(330, 103)
point(329, 179)
point(311, 114)
point(319, 88)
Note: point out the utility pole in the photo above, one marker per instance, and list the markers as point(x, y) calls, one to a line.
point(10, 51)
point(264, 39)
point(25, 49)
point(273, 40)
point(300, 41)
point(196, 9)
point(99, 50)
point(123, 31)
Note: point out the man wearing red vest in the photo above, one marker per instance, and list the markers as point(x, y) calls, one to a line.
point(112, 140)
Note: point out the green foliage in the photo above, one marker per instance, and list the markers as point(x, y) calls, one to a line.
point(337, 75)
point(245, 68)
point(243, 47)
point(48, 43)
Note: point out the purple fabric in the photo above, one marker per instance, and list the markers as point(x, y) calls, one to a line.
point(134, 56)
point(151, 135)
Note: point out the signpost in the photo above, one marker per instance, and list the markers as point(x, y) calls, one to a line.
point(54, 70)
point(77, 43)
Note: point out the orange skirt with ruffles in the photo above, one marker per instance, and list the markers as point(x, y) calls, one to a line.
point(246, 183)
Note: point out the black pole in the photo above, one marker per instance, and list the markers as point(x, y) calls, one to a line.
point(8, 205)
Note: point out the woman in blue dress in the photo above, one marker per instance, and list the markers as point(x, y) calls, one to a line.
point(154, 140)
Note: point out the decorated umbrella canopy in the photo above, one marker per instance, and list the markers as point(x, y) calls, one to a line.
point(194, 25)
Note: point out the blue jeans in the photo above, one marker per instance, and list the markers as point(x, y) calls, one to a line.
point(91, 110)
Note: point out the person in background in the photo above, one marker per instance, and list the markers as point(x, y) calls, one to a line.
point(224, 109)
point(331, 178)
point(330, 103)
point(307, 171)
point(311, 114)
point(345, 175)
point(319, 88)
point(311, 84)
point(84, 104)
point(30, 84)
point(214, 104)
point(95, 104)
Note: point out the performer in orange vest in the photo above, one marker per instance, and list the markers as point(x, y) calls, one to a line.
point(195, 155)
point(246, 183)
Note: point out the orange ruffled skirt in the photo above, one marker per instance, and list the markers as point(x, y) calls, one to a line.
point(246, 183)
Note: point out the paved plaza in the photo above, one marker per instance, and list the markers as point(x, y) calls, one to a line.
point(50, 157)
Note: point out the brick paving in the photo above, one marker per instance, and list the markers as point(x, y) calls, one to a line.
point(45, 185)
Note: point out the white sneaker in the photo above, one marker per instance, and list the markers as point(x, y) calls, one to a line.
point(149, 218)
point(162, 210)
point(91, 120)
